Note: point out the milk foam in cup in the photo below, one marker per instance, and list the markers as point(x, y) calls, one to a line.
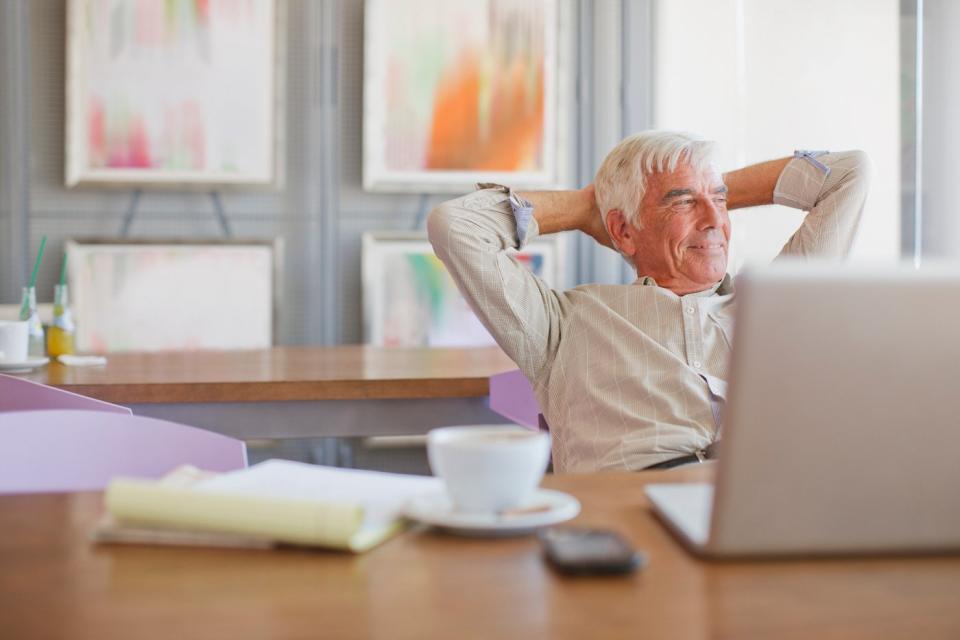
point(488, 468)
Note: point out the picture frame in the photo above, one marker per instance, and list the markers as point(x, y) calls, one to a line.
point(173, 94)
point(173, 294)
point(410, 300)
point(435, 122)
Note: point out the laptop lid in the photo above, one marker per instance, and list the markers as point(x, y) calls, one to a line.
point(842, 426)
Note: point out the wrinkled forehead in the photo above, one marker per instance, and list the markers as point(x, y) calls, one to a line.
point(703, 179)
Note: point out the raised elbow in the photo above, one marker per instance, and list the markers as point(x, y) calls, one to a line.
point(858, 166)
point(438, 224)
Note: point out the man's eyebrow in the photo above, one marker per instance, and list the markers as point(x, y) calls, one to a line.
point(674, 193)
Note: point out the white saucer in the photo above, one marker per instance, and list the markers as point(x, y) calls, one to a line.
point(437, 510)
point(25, 365)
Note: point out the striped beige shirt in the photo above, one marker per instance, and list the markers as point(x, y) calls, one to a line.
point(627, 375)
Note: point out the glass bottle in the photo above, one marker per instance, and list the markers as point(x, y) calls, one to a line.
point(61, 332)
point(28, 312)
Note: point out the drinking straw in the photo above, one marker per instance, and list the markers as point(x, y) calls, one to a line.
point(36, 265)
point(33, 278)
point(63, 270)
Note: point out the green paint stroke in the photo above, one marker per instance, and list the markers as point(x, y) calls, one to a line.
point(428, 274)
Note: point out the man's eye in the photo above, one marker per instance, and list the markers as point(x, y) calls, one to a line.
point(722, 200)
point(686, 203)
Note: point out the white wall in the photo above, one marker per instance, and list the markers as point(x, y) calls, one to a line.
point(764, 77)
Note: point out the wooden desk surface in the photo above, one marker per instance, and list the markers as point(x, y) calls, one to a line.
point(54, 584)
point(352, 372)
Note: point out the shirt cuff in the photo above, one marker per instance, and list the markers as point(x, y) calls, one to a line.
point(522, 211)
point(802, 180)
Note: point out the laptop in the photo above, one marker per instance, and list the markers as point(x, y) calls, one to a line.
point(842, 424)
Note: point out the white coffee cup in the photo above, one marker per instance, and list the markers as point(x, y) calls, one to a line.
point(14, 339)
point(488, 468)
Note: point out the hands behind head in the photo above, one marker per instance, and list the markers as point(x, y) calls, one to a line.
point(591, 222)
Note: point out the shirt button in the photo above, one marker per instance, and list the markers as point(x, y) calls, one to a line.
point(689, 309)
point(697, 364)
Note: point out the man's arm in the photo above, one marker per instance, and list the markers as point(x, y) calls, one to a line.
point(754, 185)
point(557, 211)
point(473, 237)
point(576, 210)
point(832, 188)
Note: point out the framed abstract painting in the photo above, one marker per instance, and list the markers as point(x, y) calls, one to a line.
point(458, 92)
point(410, 300)
point(180, 92)
point(173, 295)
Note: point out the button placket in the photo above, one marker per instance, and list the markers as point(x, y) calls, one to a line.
point(693, 332)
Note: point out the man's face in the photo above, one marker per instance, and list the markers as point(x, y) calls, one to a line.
point(685, 230)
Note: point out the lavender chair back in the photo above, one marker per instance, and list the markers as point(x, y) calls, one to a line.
point(47, 451)
point(17, 394)
point(511, 395)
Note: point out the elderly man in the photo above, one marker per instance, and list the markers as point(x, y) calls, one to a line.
point(633, 376)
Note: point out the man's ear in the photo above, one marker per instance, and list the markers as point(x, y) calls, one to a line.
point(621, 232)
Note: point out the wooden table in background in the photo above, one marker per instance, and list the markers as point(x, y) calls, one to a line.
point(55, 584)
point(352, 390)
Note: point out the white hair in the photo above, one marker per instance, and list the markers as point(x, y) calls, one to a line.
point(622, 177)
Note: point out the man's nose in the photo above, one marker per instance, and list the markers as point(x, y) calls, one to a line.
point(711, 215)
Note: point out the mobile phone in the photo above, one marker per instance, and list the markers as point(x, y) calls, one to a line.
point(580, 551)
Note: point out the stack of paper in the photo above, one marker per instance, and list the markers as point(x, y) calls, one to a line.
point(273, 502)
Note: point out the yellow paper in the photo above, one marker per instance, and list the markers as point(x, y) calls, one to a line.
point(346, 509)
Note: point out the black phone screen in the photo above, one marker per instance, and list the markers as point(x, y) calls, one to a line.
point(576, 550)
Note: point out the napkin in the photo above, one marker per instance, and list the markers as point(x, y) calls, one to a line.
point(82, 361)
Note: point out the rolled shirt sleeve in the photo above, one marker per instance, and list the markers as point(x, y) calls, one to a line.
point(526, 224)
point(474, 237)
point(832, 188)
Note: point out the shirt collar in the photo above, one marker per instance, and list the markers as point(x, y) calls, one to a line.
point(722, 288)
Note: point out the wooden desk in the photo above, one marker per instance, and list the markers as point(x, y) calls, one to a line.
point(54, 584)
point(348, 372)
point(297, 391)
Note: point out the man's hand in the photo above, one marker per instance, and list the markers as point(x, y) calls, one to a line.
point(592, 224)
point(557, 211)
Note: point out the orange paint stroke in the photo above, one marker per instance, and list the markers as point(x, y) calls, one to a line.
point(507, 137)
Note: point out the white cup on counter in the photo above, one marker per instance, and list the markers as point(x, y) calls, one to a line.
point(14, 339)
point(488, 468)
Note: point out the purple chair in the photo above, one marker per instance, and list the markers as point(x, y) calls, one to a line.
point(17, 394)
point(49, 451)
point(511, 395)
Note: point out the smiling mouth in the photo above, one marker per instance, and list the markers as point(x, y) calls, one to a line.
point(706, 247)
